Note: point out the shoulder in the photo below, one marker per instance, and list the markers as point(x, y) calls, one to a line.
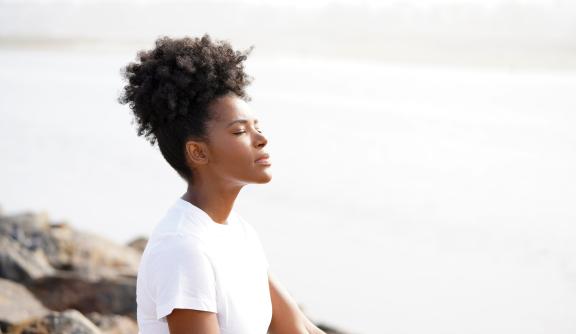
point(177, 224)
point(175, 246)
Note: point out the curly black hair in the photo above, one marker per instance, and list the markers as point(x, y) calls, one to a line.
point(170, 88)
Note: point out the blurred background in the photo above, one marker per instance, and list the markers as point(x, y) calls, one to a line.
point(424, 152)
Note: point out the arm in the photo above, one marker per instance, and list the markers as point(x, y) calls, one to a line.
point(287, 318)
point(187, 321)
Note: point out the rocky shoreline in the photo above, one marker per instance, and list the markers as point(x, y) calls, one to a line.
point(57, 279)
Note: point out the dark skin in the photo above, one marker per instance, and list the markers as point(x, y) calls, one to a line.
point(226, 163)
point(221, 167)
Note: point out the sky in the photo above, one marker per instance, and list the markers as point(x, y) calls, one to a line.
point(320, 3)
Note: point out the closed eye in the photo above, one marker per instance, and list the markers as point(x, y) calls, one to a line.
point(241, 132)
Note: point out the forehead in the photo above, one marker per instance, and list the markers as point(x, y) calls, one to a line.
point(229, 108)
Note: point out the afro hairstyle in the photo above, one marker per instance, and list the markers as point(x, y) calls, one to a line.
point(170, 87)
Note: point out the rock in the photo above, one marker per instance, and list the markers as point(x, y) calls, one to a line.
point(28, 307)
point(138, 244)
point(96, 256)
point(33, 237)
point(19, 263)
point(67, 322)
point(68, 269)
point(69, 291)
point(23, 247)
point(113, 324)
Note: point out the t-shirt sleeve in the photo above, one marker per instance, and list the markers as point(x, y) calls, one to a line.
point(181, 277)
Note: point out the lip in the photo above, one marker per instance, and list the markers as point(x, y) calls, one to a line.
point(264, 160)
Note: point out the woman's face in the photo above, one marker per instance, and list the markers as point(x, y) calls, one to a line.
point(235, 144)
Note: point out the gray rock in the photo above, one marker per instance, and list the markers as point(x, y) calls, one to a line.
point(113, 324)
point(69, 291)
point(33, 238)
point(67, 322)
point(68, 269)
point(139, 244)
point(17, 304)
point(18, 263)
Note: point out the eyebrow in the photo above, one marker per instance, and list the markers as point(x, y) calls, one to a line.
point(240, 121)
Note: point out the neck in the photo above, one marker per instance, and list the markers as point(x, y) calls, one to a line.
point(216, 199)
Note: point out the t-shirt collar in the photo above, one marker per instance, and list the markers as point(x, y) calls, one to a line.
point(205, 217)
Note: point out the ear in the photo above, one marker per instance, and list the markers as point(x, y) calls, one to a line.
point(196, 153)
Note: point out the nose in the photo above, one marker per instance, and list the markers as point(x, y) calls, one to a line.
point(261, 140)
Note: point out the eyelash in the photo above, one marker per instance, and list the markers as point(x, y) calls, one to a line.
point(239, 133)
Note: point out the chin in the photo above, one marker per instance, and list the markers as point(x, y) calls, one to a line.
point(265, 179)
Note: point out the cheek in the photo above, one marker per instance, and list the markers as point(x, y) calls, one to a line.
point(233, 153)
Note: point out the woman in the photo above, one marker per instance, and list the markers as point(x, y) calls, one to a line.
point(204, 269)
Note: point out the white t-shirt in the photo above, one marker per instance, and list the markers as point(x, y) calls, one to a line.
point(192, 262)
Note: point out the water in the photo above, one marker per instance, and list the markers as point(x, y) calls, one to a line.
point(404, 199)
